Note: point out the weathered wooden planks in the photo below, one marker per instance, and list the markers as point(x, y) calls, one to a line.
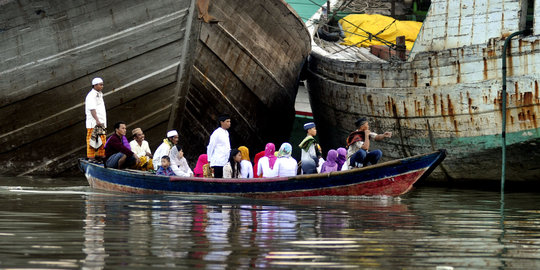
point(147, 52)
point(247, 65)
point(54, 48)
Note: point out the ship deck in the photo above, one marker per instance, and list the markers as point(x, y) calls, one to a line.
point(347, 53)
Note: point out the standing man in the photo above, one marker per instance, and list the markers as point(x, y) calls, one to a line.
point(358, 144)
point(310, 150)
point(96, 120)
point(118, 155)
point(219, 147)
point(165, 147)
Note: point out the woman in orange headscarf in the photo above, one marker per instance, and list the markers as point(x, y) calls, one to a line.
point(245, 165)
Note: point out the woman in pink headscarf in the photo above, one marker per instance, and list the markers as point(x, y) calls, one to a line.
point(265, 167)
point(330, 165)
point(198, 171)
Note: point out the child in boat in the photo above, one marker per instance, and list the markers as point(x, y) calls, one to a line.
point(310, 150)
point(165, 168)
point(232, 168)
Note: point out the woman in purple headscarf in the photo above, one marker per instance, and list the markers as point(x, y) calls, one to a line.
point(341, 158)
point(265, 167)
point(330, 165)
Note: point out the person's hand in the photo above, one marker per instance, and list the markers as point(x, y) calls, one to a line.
point(388, 134)
point(367, 132)
point(149, 155)
point(98, 123)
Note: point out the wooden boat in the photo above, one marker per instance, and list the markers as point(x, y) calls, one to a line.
point(392, 178)
point(446, 94)
point(163, 68)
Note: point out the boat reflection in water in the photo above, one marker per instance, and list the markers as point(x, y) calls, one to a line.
point(52, 224)
point(219, 232)
point(176, 232)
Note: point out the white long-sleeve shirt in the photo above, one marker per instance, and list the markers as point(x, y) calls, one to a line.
point(180, 167)
point(263, 168)
point(219, 148)
point(246, 169)
point(285, 166)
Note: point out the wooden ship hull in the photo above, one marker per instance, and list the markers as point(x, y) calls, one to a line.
point(447, 94)
point(392, 178)
point(163, 67)
point(248, 65)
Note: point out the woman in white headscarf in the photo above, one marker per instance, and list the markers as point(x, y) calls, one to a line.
point(285, 164)
point(179, 163)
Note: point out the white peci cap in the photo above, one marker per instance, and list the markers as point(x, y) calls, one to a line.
point(97, 80)
point(172, 133)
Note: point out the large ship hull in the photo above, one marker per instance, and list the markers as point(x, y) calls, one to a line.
point(447, 94)
point(158, 61)
point(248, 66)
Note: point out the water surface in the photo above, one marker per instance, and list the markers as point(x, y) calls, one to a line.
point(63, 224)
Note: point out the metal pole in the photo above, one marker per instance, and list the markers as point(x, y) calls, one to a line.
point(503, 107)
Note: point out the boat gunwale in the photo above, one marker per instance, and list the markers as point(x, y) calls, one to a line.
point(440, 152)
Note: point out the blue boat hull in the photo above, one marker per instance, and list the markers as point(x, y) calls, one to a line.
point(391, 178)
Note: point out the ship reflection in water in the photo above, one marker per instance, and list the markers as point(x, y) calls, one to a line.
point(70, 226)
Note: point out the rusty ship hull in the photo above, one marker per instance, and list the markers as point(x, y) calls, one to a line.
point(448, 93)
point(164, 68)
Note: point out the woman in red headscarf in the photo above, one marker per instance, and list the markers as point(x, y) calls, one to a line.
point(256, 159)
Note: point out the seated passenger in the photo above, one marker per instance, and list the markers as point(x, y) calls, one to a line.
point(165, 168)
point(116, 153)
point(179, 163)
point(358, 143)
point(232, 168)
point(245, 164)
point(330, 165)
point(140, 147)
point(342, 157)
point(165, 147)
point(265, 167)
point(310, 150)
point(256, 159)
point(285, 165)
point(198, 171)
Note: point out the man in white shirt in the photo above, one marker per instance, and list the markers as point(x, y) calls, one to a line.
point(219, 147)
point(165, 147)
point(140, 147)
point(96, 116)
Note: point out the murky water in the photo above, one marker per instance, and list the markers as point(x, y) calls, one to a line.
point(63, 224)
